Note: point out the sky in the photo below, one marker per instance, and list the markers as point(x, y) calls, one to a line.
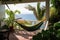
point(21, 7)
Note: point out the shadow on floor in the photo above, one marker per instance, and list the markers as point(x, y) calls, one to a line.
point(25, 34)
point(21, 35)
point(12, 37)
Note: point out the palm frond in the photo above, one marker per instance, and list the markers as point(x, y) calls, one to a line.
point(7, 11)
point(17, 11)
point(37, 12)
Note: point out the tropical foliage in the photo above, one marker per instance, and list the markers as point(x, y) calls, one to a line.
point(39, 13)
point(56, 15)
point(11, 16)
point(53, 33)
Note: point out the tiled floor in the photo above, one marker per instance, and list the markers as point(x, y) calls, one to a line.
point(21, 35)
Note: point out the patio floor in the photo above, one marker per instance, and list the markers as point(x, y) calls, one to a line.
point(21, 35)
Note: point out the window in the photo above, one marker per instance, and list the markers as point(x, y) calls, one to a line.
point(25, 13)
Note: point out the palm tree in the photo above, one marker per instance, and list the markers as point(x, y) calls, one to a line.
point(39, 13)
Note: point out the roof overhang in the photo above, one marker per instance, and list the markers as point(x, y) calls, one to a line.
point(20, 1)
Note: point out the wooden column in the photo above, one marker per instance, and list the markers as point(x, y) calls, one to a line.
point(47, 9)
point(47, 13)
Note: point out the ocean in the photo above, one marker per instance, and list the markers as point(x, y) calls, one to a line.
point(26, 16)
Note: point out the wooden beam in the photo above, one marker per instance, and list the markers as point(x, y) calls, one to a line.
point(21, 1)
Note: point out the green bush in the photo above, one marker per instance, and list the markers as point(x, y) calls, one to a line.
point(53, 33)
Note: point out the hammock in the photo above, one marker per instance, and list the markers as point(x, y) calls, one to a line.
point(30, 28)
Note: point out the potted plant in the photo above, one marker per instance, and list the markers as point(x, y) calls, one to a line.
point(11, 18)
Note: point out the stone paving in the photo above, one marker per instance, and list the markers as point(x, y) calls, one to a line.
point(21, 35)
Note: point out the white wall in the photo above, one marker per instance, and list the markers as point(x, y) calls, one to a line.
point(2, 11)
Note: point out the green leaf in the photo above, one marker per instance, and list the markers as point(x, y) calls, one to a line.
point(7, 11)
point(17, 11)
point(38, 10)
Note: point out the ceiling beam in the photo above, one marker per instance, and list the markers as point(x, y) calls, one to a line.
point(21, 1)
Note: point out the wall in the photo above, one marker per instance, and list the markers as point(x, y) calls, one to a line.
point(2, 11)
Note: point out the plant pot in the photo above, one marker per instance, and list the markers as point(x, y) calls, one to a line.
point(11, 28)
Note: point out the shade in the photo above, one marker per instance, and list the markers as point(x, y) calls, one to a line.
point(19, 1)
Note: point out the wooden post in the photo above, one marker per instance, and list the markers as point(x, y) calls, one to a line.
point(47, 13)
